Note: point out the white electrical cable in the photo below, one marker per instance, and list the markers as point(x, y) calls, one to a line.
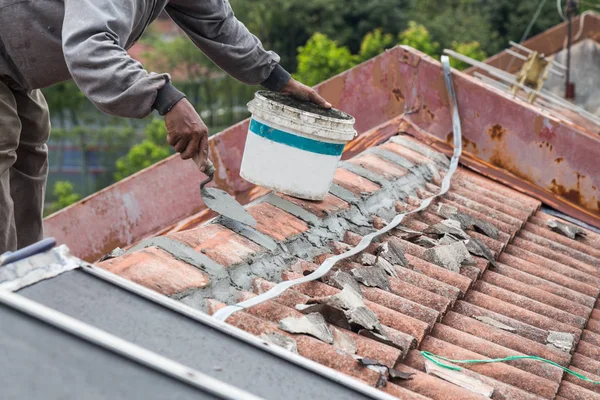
point(560, 10)
point(588, 12)
point(326, 266)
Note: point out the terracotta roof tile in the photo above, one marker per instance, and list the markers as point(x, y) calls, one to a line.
point(543, 283)
point(158, 270)
point(354, 183)
point(378, 165)
point(219, 243)
point(275, 222)
point(329, 205)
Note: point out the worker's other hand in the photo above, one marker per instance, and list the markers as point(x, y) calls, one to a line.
point(186, 132)
point(304, 93)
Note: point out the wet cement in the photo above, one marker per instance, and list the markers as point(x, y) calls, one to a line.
point(305, 106)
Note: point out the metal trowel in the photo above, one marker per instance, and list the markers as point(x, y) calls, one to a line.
point(219, 200)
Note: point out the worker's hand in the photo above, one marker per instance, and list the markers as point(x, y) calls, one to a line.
point(186, 131)
point(304, 93)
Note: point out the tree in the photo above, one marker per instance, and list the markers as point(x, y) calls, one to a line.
point(418, 37)
point(470, 49)
point(65, 196)
point(375, 43)
point(322, 58)
point(151, 150)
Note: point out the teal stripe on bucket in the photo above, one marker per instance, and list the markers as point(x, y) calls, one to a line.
point(299, 142)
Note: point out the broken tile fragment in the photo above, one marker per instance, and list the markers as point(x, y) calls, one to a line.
point(426, 242)
point(395, 254)
point(280, 340)
point(447, 211)
point(340, 279)
point(469, 222)
point(478, 248)
point(311, 324)
point(448, 227)
point(561, 340)
point(372, 277)
point(568, 230)
point(357, 315)
point(494, 323)
point(451, 256)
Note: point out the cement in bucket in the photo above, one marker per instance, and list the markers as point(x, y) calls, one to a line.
point(294, 147)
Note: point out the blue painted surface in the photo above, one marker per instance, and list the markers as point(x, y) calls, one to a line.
point(299, 142)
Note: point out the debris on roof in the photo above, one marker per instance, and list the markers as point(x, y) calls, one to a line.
point(570, 231)
point(499, 302)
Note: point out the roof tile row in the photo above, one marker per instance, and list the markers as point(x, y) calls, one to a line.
point(544, 284)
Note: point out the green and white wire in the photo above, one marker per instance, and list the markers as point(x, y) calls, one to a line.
point(436, 360)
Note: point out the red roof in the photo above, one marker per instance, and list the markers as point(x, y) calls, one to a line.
point(543, 282)
point(534, 294)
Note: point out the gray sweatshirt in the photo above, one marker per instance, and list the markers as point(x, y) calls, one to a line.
point(43, 42)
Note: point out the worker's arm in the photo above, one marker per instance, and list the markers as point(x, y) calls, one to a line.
point(94, 36)
point(215, 30)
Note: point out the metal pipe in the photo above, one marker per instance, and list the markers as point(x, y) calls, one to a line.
point(516, 55)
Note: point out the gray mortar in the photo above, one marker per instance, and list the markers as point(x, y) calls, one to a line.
point(343, 193)
point(227, 282)
point(389, 156)
point(248, 232)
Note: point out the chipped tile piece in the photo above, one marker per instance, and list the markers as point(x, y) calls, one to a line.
point(280, 340)
point(426, 242)
point(478, 248)
point(353, 307)
point(459, 379)
point(450, 256)
point(561, 340)
point(494, 323)
point(448, 227)
point(478, 225)
point(568, 230)
point(341, 279)
point(372, 277)
point(395, 254)
point(446, 211)
point(311, 324)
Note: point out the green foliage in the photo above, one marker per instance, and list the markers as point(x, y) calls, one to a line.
point(285, 25)
point(322, 58)
point(470, 49)
point(151, 150)
point(375, 43)
point(65, 196)
point(418, 37)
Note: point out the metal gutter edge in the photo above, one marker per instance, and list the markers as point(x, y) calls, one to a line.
point(239, 334)
point(127, 349)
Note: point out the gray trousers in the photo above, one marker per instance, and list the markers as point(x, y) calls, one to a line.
point(24, 131)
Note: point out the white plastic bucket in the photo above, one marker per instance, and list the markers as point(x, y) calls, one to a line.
point(292, 151)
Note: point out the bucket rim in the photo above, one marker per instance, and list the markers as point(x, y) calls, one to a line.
point(344, 121)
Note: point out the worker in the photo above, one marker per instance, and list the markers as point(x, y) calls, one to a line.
point(46, 42)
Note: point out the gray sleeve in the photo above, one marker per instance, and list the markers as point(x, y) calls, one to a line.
point(94, 36)
point(215, 30)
